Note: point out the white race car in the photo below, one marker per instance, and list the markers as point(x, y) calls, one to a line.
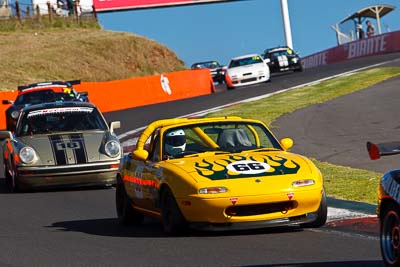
point(245, 70)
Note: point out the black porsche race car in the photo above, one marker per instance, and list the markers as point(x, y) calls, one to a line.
point(38, 93)
point(282, 58)
point(217, 70)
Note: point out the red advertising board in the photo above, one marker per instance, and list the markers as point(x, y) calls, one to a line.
point(371, 46)
point(113, 5)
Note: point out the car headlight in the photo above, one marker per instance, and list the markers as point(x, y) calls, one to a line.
point(294, 60)
point(213, 190)
point(15, 114)
point(305, 182)
point(112, 148)
point(27, 155)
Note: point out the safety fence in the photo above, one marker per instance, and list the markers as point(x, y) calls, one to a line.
point(46, 13)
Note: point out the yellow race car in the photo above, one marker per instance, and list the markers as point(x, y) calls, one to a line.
point(216, 174)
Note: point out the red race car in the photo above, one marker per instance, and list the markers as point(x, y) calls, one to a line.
point(38, 93)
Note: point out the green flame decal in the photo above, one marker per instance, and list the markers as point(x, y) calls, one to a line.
point(208, 169)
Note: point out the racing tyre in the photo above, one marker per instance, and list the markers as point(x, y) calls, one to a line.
point(127, 215)
point(322, 214)
point(390, 235)
point(14, 184)
point(172, 219)
point(8, 178)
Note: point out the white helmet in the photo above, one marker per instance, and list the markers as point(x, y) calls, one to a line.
point(175, 142)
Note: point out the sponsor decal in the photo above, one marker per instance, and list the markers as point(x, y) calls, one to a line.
point(59, 110)
point(316, 60)
point(234, 200)
point(366, 47)
point(165, 84)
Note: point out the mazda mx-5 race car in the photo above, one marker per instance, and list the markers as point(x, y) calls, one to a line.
point(246, 70)
point(282, 58)
point(61, 144)
point(216, 69)
point(388, 210)
point(42, 92)
point(217, 174)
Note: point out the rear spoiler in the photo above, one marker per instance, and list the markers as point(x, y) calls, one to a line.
point(375, 151)
point(41, 84)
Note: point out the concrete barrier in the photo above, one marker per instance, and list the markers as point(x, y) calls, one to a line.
point(134, 92)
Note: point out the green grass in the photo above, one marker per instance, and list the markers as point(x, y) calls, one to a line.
point(340, 182)
point(88, 54)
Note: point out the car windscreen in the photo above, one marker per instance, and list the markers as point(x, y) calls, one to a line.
point(42, 96)
point(63, 119)
point(224, 136)
point(245, 61)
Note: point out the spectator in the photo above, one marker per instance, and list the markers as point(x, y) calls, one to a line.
point(360, 31)
point(370, 28)
point(70, 5)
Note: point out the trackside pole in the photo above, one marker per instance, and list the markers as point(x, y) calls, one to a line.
point(286, 23)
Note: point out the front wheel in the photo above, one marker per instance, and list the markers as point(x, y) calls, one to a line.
point(322, 214)
point(390, 235)
point(172, 218)
point(126, 213)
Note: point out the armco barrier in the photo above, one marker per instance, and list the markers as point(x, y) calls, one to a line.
point(376, 45)
point(134, 92)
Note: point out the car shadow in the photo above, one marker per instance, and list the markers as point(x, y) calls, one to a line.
point(4, 189)
point(151, 228)
point(326, 264)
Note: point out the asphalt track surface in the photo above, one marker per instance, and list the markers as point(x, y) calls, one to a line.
point(79, 227)
point(337, 131)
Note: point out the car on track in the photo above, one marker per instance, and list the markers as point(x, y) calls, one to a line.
point(246, 70)
point(220, 173)
point(217, 70)
point(42, 92)
point(388, 210)
point(61, 144)
point(282, 58)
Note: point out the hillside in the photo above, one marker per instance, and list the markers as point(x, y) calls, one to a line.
point(85, 54)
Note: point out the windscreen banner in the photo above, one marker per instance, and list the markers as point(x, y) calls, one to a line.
point(114, 5)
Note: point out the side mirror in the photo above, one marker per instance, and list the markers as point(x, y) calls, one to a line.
point(115, 125)
point(5, 135)
point(7, 102)
point(287, 143)
point(267, 60)
point(140, 154)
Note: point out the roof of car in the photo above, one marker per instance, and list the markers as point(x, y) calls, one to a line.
point(245, 56)
point(203, 62)
point(68, 104)
point(279, 48)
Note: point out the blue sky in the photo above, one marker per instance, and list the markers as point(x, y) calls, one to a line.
point(224, 30)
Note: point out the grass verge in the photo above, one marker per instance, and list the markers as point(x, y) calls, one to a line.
point(340, 182)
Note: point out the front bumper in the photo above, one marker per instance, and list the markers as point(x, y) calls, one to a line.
point(297, 220)
point(276, 208)
point(91, 174)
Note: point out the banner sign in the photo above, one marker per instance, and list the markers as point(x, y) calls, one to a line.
point(114, 5)
point(371, 46)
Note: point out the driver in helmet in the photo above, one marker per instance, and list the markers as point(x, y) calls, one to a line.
point(175, 143)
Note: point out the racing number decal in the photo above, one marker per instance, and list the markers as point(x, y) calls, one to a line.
point(248, 167)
